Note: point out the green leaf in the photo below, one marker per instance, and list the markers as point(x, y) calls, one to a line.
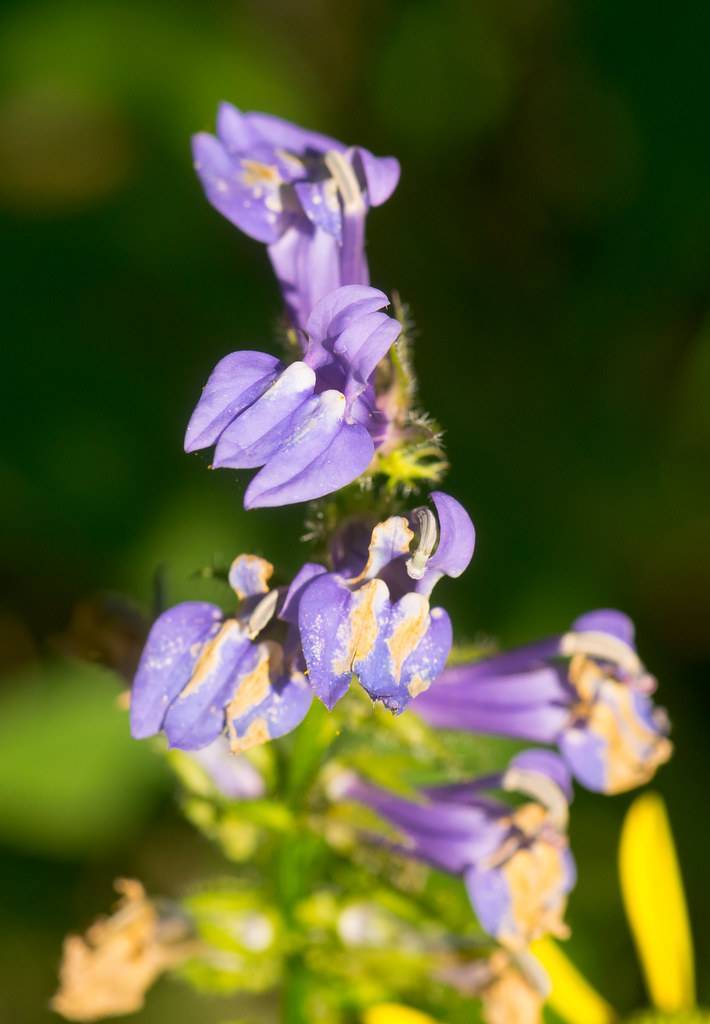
point(73, 780)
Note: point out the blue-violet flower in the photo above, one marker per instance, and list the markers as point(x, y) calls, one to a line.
point(585, 690)
point(376, 622)
point(303, 194)
point(312, 425)
point(515, 861)
point(202, 674)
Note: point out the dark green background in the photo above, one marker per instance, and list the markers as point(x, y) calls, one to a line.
point(552, 233)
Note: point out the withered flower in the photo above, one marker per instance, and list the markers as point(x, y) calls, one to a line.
point(107, 972)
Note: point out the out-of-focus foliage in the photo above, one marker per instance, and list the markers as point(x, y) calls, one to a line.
point(551, 234)
point(75, 783)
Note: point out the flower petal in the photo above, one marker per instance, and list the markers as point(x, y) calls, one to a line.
point(538, 723)
point(196, 717)
point(362, 345)
point(511, 663)
point(531, 705)
point(489, 893)
point(652, 888)
point(322, 455)
point(606, 620)
point(409, 650)
point(292, 602)
point(447, 835)
point(320, 203)
point(525, 896)
point(395, 1013)
point(234, 131)
point(249, 575)
point(457, 538)
point(545, 763)
point(572, 997)
point(471, 684)
point(280, 133)
point(381, 174)
point(173, 647)
point(247, 191)
point(620, 742)
point(257, 714)
point(325, 625)
point(428, 658)
point(340, 308)
point(236, 381)
point(307, 266)
point(586, 754)
point(260, 430)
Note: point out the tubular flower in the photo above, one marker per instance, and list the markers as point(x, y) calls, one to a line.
point(303, 194)
point(586, 691)
point(373, 620)
point(515, 862)
point(202, 674)
point(311, 425)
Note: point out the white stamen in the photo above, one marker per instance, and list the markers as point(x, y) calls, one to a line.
point(596, 644)
point(262, 614)
point(347, 183)
point(533, 972)
point(542, 789)
point(428, 536)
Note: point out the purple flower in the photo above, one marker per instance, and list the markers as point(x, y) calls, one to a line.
point(586, 691)
point(515, 861)
point(311, 425)
point(303, 194)
point(375, 622)
point(202, 674)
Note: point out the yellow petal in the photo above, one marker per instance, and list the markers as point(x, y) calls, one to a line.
point(571, 996)
point(652, 888)
point(394, 1013)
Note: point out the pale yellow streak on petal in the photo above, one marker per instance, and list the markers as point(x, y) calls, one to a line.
point(652, 888)
point(571, 997)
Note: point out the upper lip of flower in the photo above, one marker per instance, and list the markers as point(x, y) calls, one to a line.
point(308, 424)
point(273, 160)
point(377, 623)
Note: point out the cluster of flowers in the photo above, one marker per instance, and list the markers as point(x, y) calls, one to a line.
point(218, 685)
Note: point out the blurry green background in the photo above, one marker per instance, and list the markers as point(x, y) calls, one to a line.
point(552, 232)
